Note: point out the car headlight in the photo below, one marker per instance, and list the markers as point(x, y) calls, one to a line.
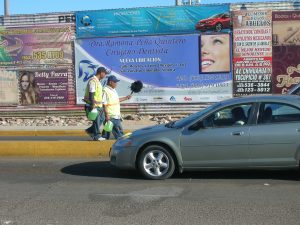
point(127, 135)
point(123, 142)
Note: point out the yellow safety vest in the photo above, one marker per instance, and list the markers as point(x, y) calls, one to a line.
point(113, 102)
point(98, 92)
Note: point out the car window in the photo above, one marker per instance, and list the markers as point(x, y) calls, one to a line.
point(237, 115)
point(277, 113)
point(294, 90)
point(187, 120)
point(216, 16)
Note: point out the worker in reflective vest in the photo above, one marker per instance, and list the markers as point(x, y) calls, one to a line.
point(111, 104)
point(93, 99)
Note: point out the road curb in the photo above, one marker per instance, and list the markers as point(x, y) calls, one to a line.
point(41, 133)
point(56, 148)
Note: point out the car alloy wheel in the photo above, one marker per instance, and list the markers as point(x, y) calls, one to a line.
point(155, 162)
point(219, 27)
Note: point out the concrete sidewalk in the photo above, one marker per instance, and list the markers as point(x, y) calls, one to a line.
point(80, 147)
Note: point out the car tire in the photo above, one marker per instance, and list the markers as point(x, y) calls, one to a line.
point(155, 162)
point(218, 27)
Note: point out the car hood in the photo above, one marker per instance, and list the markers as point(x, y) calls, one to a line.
point(207, 20)
point(151, 129)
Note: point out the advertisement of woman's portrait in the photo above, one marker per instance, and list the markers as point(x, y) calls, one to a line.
point(214, 53)
point(29, 91)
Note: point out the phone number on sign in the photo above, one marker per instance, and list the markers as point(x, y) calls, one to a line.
point(44, 55)
point(253, 90)
point(251, 85)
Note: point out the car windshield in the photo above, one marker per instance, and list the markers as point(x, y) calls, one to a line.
point(216, 16)
point(187, 120)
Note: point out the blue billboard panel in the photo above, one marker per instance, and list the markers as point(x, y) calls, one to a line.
point(152, 21)
point(171, 67)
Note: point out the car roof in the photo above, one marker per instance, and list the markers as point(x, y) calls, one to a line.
point(289, 99)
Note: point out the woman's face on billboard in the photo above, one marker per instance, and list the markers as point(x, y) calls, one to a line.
point(215, 53)
point(25, 82)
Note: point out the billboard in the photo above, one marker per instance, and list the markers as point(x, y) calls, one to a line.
point(286, 68)
point(152, 21)
point(286, 28)
point(36, 45)
point(45, 86)
point(286, 50)
point(171, 67)
point(252, 52)
point(8, 87)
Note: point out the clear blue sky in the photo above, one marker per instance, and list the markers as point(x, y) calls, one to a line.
point(45, 6)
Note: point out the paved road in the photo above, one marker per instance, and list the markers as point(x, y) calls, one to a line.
point(90, 191)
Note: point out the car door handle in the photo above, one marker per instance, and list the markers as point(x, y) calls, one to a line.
point(237, 133)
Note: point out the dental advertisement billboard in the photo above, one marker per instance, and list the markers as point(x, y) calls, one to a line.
point(172, 68)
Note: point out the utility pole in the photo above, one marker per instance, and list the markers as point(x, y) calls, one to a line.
point(6, 7)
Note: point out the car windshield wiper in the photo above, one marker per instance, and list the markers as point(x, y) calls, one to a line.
point(170, 124)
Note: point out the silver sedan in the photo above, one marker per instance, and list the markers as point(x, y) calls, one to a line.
point(261, 132)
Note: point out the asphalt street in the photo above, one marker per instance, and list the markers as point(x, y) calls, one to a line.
point(90, 191)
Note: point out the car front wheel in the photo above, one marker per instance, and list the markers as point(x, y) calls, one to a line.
point(156, 162)
point(219, 27)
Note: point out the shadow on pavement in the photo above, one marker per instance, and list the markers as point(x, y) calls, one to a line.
point(291, 175)
point(100, 169)
point(105, 169)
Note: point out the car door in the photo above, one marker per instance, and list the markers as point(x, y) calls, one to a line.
point(274, 141)
point(220, 142)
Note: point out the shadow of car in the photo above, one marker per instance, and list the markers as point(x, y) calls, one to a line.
point(216, 22)
point(215, 138)
point(104, 169)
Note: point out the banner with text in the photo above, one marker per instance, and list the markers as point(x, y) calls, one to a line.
point(152, 21)
point(169, 67)
point(286, 68)
point(36, 45)
point(252, 52)
point(46, 86)
point(8, 87)
point(286, 50)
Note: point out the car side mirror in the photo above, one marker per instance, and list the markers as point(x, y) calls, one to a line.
point(197, 126)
